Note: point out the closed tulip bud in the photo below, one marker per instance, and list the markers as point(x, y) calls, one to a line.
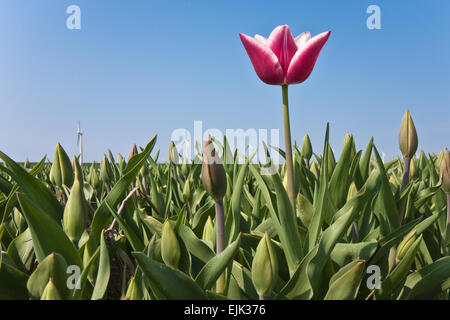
point(185, 167)
point(213, 174)
point(26, 164)
point(105, 170)
point(445, 172)
point(314, 170)
point(407, 137)
point(75, 212)
point(439, 159)
point(306, 148)
point(349, 138)
point(208, 231)
point(173, 153)
point(264, 267)
point(170, 248)
point(61, 172)
point(352, 191)
point(93, 177)
point(50, 291)
point(393, 181)
point(405, 245)
point(121, 162)
point(133, 292)
point(19, 220)
point(187, 190)
point(133, 152)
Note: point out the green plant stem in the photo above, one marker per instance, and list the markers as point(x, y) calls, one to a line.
point(448, 209)
point(220, 240)
point(288, 148)
point(406, 165)
point(447, 235)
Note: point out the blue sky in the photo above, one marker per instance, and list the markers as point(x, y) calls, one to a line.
point(140, 68)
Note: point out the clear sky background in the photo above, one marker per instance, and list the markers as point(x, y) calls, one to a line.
point(139, 68)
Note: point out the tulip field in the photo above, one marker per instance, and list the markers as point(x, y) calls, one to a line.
point(330, 223)
point(140, 229)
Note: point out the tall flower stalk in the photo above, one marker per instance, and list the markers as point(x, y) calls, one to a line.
point(288, 147)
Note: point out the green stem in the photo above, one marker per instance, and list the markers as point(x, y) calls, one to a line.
point(220, 240)
point(405, 179)
point(448, 209)
point(447, 231)
point(288, 148)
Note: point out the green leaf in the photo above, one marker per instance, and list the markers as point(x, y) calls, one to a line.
point(172, 283)
point(283, 219)
point(102, 214)
point(47, 234)
point(216, 266)
point(304, 282)
point(34, 188)
point(13, 282)
point(53, 266)
point(132, 237)
point(339, 181)
point(101, 283)
point(399, 273)
point(426, 283)
point(343, 253)
point(385, 203)
point(345, 283)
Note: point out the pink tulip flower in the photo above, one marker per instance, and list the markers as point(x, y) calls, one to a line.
point(282, 59)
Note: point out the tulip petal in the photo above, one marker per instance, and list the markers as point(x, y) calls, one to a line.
point(302, 38)
point(282, 43)
point(264, 61)
point(303, 62)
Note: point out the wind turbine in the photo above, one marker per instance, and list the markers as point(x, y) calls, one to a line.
point(80, 142)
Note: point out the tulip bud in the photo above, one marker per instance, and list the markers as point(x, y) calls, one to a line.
point(213, 174)
point(439, 159)
point(133, 292)
point(405, 244)
point(314, 170)
point(208, 231)
point(61, 170)
point(393, 181)
point(173, 153)
point(352, 191)
point(306, 148)
point(170, 248)
point(75, 212)
point(93, 177)
point(331, 161)
point(445, 172)
point(133, 152)
point(105, 170)
point(185, 167)
point(19, 220)
point(26, 164)
point(349, 138)
point(187, 190)
point(121, 162)
point(264, 267)
point(50, 291)
point(407, 137)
